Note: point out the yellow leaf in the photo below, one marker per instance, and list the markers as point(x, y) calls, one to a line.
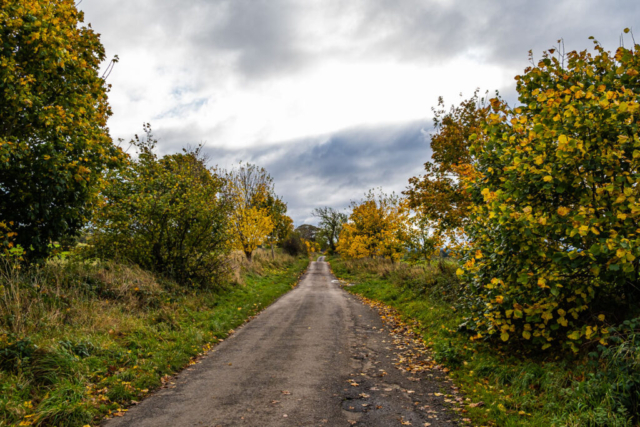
point(574, 335)
point(504, 336)
point(562, 141)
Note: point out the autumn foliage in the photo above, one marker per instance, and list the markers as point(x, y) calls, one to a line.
point(247, 188)
point(553, 231)
point(54, 143)
point(440, 197)
point(376, 228)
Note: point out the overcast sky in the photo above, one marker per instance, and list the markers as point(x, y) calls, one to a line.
point(332, 97)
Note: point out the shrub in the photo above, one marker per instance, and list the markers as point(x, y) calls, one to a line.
point(294, 244)
point(554, 230)
point(166, 215)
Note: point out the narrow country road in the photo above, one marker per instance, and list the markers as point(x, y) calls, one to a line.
point(316, 357)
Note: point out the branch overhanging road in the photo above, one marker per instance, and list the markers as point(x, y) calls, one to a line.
point(316, 357)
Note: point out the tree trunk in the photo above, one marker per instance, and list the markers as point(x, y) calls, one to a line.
point(248, 255)
point(273, 255)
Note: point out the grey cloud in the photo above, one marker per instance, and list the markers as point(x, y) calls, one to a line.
point(261, 32)
point(326, 170)
point(267, 38)
point(499, 31)
point(334, 169)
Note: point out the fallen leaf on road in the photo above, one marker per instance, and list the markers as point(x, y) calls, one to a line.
point(286, 392)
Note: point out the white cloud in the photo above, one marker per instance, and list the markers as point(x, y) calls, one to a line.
point(246, 74)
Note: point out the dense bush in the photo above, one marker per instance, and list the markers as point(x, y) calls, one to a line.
point(294, 245)
point(167, 215)
point(54, 141)
point(554, 230)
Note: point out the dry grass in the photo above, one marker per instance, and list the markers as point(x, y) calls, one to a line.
point(262, 262)
point(98, 296)
point(437, 278)
point(57, 295)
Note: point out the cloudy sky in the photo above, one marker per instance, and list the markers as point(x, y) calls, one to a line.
point(332, 97)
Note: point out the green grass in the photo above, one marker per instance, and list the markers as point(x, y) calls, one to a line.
point(516, 389)
point(81, 341)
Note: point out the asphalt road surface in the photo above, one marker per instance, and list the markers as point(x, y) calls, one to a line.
point(316, 357)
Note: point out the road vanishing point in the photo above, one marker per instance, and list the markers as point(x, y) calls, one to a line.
point(316, 357)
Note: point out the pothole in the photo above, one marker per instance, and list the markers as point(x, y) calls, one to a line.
point(356, 405)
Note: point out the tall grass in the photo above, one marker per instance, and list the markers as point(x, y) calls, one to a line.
point(82, 339)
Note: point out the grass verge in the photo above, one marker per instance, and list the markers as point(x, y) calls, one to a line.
point(501, 387)
point(80, 341)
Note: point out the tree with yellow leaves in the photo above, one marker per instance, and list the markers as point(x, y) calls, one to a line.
point(554, 229)
point(376, 228)
point(248, 188)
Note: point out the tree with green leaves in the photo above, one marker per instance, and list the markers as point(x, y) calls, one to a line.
point(167, 215)
point(54, 141)
point(330, 225)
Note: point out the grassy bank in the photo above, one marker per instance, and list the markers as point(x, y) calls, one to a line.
point(82, 340)
point(502, 387)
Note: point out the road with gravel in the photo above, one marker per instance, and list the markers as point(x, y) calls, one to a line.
point(316, 357)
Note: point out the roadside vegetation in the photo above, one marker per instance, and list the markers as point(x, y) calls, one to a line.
point(517, 249)
point(502, 385)
point(82, 340)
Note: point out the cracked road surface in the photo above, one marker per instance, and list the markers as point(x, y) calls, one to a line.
point(316, 357)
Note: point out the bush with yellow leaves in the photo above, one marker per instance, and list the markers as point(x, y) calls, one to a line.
point(555, 225)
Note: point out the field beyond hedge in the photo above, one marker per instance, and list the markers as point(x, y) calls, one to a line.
point(80, 340)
